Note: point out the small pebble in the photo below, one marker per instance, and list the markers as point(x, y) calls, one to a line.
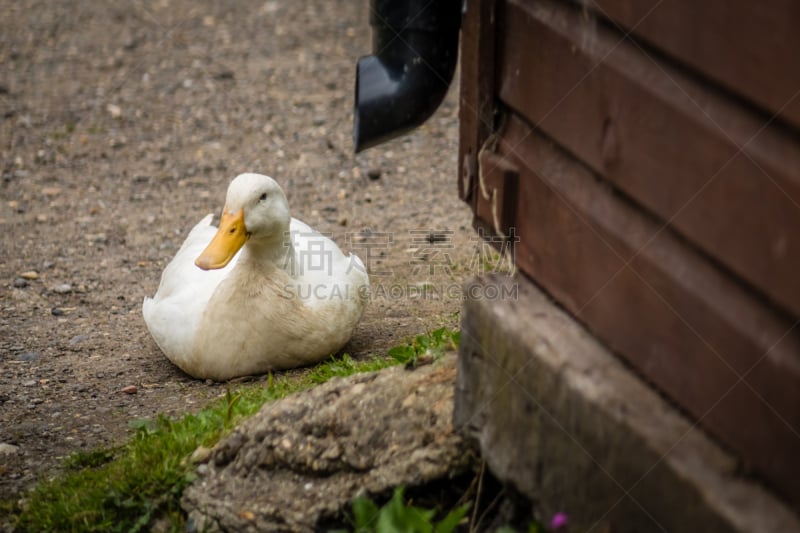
point(200, 455)
point(130, 43)
point(20, 283)
point(56, 311)
point(130, 389)
point(77, 339)
point(224, 74)
point(374, 174)
point(62, 288)
point(29, 383)
point(30, 275)
point(97, 237)
point(28, 357)
point(8, 449)
point(114, 110)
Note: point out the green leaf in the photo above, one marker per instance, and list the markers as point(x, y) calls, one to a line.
point(403, 354)
point(456, 338)
point(365, 513)
point(397, 517)
point(422, 343)
point(439, 335)
point(449, 523)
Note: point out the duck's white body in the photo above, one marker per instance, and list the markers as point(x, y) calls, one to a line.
point(288, 298)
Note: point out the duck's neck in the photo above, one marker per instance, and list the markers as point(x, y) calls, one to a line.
point(277, 253)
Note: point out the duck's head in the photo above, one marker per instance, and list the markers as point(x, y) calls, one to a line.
point(255, 210)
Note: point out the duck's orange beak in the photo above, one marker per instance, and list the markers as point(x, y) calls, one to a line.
point(230, 237)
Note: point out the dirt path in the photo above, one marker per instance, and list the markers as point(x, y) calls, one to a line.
point(122, 124)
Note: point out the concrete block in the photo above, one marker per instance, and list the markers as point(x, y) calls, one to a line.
point(570, 426)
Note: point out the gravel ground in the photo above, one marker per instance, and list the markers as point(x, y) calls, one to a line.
point(122, 124)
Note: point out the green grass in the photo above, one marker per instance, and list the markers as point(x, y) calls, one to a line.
point(431, 345)
point(127, 487)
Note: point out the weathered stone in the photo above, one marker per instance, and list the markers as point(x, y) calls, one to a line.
point(62, 288)
point(570, 426)
point(303, 459)
point(200, 455)
point(28, 357)
point(8, 449)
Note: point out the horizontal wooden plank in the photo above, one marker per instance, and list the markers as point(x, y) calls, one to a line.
point(691, 155)
point(749, 47)
point(723, 354)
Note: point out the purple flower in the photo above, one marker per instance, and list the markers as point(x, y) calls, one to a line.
point(559, 521)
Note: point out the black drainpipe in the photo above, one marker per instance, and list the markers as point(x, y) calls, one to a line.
point(415, 49)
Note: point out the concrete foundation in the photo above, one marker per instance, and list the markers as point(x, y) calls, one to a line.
point(570, 426)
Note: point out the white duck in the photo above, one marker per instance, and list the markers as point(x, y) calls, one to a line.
point(289, 298)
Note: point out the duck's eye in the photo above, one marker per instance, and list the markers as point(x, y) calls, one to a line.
point(262, 197)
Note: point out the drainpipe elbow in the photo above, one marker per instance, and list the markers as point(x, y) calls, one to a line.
point(403, 82)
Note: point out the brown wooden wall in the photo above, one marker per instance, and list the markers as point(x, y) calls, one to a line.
point(648, 156)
